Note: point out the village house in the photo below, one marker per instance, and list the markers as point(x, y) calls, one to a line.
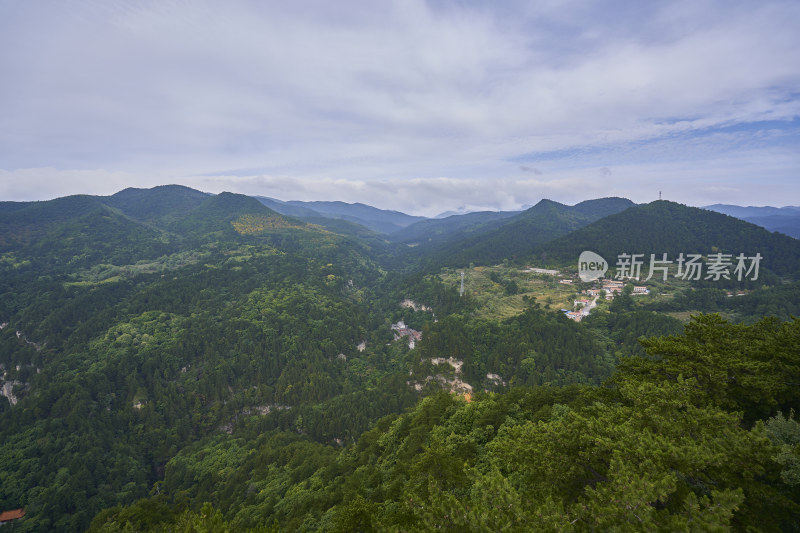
point(613, 286)
point(641, 290)
point(401, 330)
point(10, 516)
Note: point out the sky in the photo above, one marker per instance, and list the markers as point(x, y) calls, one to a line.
point(417, 106)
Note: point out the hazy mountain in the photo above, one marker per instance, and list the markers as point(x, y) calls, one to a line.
point(785, 220)
point(379, 220)
point(446, 214)
point(786, 224)
point(519, 235)
point(285, 208)
point(753, 211)
point(438, 230)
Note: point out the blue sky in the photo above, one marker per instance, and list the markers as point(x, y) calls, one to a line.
point(418, 106)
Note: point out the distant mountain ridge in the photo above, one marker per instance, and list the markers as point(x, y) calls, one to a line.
point(519, 235)
point(154, 220)
point(287, 209)
point(753, 211)
point(785, 220)
point(137, 224)
point(437, 230)
point(377, 220)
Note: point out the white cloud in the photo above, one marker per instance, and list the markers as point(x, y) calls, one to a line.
point(360, 98)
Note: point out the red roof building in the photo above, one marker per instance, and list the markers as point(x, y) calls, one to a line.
point(8, 516)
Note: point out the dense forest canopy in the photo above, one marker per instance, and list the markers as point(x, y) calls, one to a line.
point(177, 361)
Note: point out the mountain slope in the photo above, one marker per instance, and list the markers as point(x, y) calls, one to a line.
point(288, 209)
point(753, 211)
point(228, 214)
point(379, 220)
point(786, 224)
point(518, 236)
point(341, 226)
point(155, 204)
point(667, 227)
point(10, 207)
point(103, 378)
point(78, 230)
point(438, 230)
point(785, 220)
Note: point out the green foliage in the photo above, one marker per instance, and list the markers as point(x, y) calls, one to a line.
point(198, 369)
point(738, 367)
point(517, 237)
point(785, 433)
point(624, 329)
point(667, 227)
point(534, 348)
point(652, 451)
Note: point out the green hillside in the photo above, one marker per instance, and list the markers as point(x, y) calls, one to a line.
point(439, 230)
point(176, 361)
point(157, 205)
point(667, 227)
point(378, 220)
point(517, 237)
point(665, 445)
point(77, 231)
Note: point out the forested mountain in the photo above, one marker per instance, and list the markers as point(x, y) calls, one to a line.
point(157, 205)
point(76, 231)
point(670, 443)
point(376, 241)
point(519, 235)
point(439, 230)
point(667, 227)
point(122, 342)
point(785, 220)
point(378, 220)
point(177, 361)
point(788, 225)
point(288, 209)
point(753, 211)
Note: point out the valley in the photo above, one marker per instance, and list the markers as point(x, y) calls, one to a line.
point(174, 360)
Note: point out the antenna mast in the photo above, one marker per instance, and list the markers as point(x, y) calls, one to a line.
point(462, 285)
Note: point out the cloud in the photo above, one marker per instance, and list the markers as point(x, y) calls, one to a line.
point(32, 184)
point(526, 168)
point(355, 93)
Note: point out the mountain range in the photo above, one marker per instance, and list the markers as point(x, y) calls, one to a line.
point(785, 220)
point(169, 356)
point(377, 220)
